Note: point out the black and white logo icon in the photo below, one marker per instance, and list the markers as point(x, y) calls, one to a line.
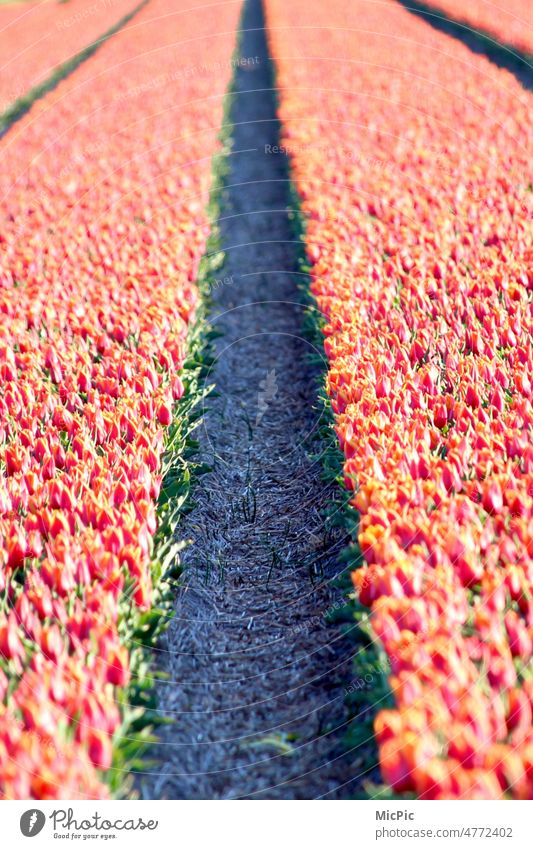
point(32, 822)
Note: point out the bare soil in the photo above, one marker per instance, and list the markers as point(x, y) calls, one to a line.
point(256, 675)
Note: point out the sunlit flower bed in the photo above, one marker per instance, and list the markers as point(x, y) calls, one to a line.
point(35, 38)
point(507, 21)
point(409, 156)
point(103, 189)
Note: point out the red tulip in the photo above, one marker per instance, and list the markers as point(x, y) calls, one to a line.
point(164, 414)
point(492, 498)
point(99, 748)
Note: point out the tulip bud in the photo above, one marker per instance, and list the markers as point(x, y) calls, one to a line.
point(493, 498)
point(117, 666)
point(164, 414)
point(440, 416)
point(99, 748)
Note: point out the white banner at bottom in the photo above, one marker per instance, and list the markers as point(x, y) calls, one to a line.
point(268, 824)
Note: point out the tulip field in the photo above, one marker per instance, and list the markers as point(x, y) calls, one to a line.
point(510, 23)
point(103, 228)
point(31, 53)
point(413, 181)
point(417, 196)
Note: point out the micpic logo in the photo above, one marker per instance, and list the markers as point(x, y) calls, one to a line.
point(32, 822)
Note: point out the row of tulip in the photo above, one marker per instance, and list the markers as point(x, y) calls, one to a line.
point(36, 39)
point(409, 155)
point(509, 22)
point(103, 189)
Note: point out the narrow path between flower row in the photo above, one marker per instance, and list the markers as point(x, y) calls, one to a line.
point(256, 675)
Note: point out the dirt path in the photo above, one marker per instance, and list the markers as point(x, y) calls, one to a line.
point(256, 675)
